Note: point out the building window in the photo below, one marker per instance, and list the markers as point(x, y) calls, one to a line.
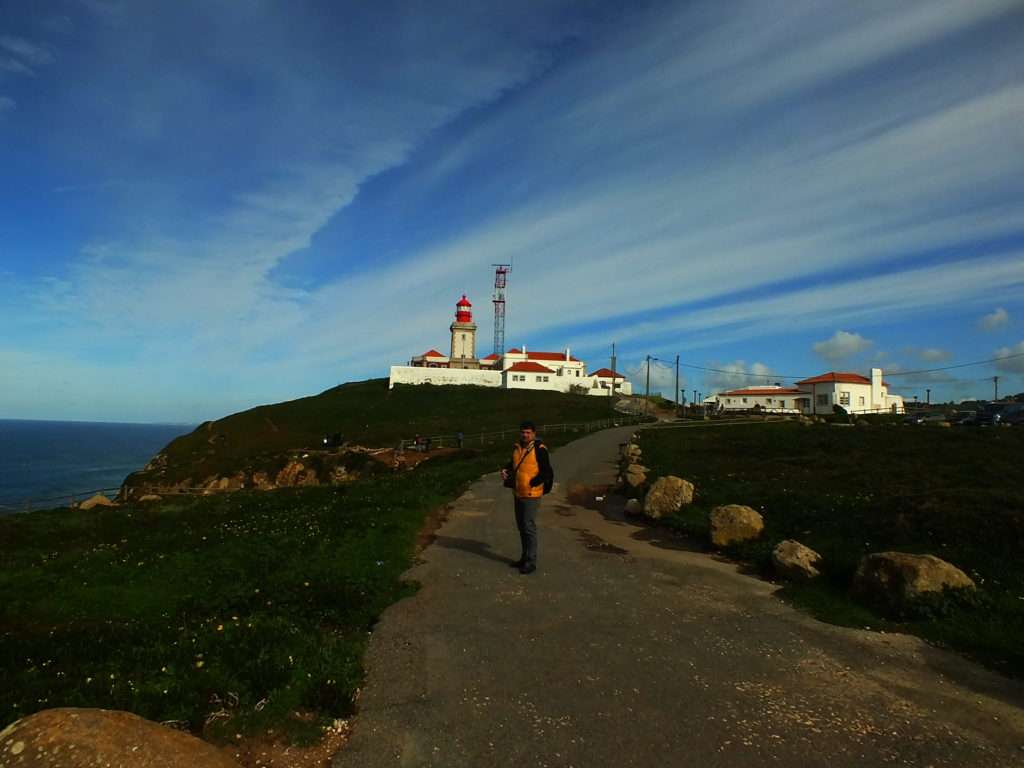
point(545, 378)
point(844, 398)
point(860, 400)
point(822, 399)
point(728, 399)
point(769, 401)
point(577, 374)
point(744, 399)
point(782, 403)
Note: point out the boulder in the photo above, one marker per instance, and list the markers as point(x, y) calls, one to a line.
point(634, 508)
point(262, 481)
point(667, 495)
point(635, 476)
point(794, 561)
point(733, 523)
point(99, 500)
point(76, 738)
point(150, 497)
point(897, 579)
point(290, 474)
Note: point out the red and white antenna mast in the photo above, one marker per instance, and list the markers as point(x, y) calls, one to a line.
point(500, 280)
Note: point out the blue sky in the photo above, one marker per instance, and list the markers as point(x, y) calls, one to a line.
point(212, 205)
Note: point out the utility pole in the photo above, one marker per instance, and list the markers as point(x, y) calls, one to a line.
point(647, 390)
point(676, 390)
point(995, 384)
point(928, 396)
point(695, 403)
point(611, 392)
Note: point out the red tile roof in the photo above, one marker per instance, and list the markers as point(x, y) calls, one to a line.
point(432, 353)
point(528, 367)
point(607, 373)
point(542, 355)
point(492, 356)
point(766, 391)
point(833, 376)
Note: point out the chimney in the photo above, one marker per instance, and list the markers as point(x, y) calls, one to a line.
point(877, 403)
point(524, 351)
point(567, 354)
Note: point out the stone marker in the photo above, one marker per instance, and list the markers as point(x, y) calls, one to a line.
point(667, 495)
point(634, 508)
point(99, 500)
point(733, 523)
point(897, 578)
point(77, 738)
point(794, 561)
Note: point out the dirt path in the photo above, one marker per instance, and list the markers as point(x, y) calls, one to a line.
point(622, 650)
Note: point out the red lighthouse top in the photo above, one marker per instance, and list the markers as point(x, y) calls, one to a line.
point(464, 311)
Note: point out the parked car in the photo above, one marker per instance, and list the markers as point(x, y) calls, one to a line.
point(997, 414)
point(925, 417)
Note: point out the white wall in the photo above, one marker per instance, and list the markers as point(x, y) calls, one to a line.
point(407, 374)
point(747, 402)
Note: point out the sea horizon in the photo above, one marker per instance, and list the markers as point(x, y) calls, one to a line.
point(60, 458)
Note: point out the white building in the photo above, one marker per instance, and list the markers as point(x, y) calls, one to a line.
point(816, 395)
point(515, 369)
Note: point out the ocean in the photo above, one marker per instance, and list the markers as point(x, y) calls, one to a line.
point(49, 459)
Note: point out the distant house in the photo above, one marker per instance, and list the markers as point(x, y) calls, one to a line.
point(816, 395)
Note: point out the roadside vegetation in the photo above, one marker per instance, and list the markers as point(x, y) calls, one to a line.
point(239, 612)
point(846, 492)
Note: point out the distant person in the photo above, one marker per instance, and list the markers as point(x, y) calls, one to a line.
point(530, 476)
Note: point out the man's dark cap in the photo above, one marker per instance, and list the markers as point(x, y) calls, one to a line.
point(528, 425)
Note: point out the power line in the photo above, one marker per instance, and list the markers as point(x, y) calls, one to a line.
point(961, 365)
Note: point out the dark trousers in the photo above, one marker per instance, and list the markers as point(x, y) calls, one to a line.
point(526, 521)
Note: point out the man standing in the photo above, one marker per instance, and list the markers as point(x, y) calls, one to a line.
point(529, 475)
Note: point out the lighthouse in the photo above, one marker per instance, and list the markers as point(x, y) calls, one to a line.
point(463, 337)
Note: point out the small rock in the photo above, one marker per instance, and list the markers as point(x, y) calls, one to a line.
point(634, 508)
point(733, 523)
point(897, 578)
point(99, 500)
point(793, 560)
point(150, 497)
point(667, 495)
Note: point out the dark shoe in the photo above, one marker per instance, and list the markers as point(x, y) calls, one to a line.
point(527, 568)
point(518, 563)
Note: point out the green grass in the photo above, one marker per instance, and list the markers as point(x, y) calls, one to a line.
point(366, 413)
point(199, 605)
point(845, 492)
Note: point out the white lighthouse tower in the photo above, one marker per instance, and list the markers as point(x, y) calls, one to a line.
point(463, 337)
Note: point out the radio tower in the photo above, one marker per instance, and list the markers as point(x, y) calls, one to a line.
point(500, 279)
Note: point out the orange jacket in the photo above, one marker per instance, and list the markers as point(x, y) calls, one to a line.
point(529, 481)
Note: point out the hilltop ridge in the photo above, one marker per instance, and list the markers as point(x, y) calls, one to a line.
point(264, 439)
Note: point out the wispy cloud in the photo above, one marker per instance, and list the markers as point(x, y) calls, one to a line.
point(934, 355)
point(736, 375)
point(22, 56)
point(1014, 364)
point(678, 176)
point(997, 318)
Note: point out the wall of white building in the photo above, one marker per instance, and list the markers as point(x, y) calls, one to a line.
point(407, 374)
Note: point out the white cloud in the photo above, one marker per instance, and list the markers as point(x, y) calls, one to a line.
point(934, 355)
point(663, 377)
point(1015, 358)
point(841, 346)
point(736, 375)
point(997, 318)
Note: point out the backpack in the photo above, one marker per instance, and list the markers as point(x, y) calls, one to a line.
point(549, 478)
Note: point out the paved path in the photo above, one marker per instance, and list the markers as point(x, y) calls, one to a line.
point(622, 650)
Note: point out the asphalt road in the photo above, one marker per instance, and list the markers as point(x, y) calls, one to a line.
point(625, 650)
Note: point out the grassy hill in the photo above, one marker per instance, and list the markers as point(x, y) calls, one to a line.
point(366, 413)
